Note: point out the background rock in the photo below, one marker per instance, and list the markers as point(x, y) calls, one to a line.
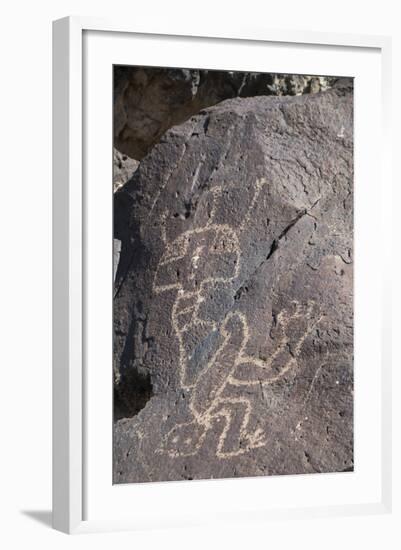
point(233, 311)
point(123, 168)
point(116, 255)
point(148, 101)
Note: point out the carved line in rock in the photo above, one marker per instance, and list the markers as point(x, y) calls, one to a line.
point(210, 401)
point(222, 373)
point(224, 239)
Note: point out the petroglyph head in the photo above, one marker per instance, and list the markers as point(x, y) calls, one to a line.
point(209, 254)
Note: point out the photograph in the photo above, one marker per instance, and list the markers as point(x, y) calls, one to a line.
point(204, 349)
point(232, 274)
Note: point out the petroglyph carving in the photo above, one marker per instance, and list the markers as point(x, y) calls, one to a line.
point(233, 315)
point(212, 398)
point(212, 256)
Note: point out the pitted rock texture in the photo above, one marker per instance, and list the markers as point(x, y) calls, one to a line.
point(148, 101)
point(233, 346)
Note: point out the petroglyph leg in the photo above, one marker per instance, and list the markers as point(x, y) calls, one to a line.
point(213, 378)
point(234, 414)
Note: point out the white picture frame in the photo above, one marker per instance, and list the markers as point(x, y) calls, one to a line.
point(72, 425)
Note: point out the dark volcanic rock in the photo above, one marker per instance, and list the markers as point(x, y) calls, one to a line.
point(148, 100)
point(233, 311)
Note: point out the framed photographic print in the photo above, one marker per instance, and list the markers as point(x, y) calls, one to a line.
point(220, 333)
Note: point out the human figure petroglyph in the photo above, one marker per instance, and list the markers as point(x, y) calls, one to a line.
point(197, 248)
point(212, 397)
point(211, 259)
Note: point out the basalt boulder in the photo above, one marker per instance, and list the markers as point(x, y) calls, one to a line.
point(233, 319)
point(149, 100)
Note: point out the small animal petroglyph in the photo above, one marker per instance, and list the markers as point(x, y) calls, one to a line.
point(212, 259)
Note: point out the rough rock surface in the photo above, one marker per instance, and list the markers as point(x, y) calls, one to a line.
point(123, 169)
point(233, 311)
point(148, 101)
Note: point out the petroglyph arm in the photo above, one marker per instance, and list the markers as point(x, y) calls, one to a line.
point(294, 327)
